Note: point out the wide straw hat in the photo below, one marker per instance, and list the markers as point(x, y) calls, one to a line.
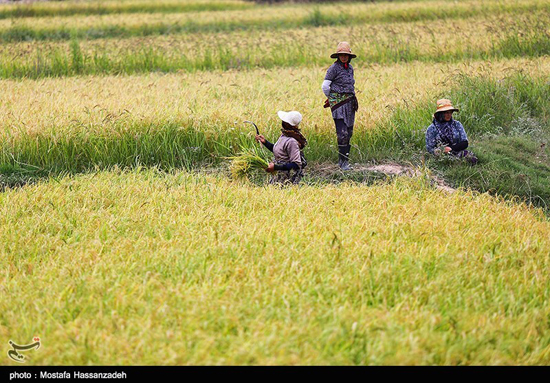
point(343, 48)
point(293, 118)
point(444, 105)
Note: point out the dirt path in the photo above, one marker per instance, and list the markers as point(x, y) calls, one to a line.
point(392, 169)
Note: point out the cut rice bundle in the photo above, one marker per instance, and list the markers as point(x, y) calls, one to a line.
point(245, 162)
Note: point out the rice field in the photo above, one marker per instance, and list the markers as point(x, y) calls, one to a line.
point(279, 17)
point(124, 239)
point(191, 269)
point(72, 8)
point(493, 36)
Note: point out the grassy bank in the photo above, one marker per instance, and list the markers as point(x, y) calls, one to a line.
point(508, 125)
point(151, 268)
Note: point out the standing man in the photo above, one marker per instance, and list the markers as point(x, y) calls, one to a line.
point(339, 87)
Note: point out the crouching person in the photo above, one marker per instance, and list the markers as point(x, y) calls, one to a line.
point(289, 162)
point(446, 135)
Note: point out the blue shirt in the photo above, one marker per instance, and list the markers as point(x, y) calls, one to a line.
point(444, 133)
point(342, 78)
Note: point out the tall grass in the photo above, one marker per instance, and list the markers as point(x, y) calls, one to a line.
point(97, 104)
point(508, 124)
point(165, 147)
point(512, 105)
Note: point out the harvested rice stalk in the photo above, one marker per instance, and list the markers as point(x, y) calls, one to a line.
point(246, 161)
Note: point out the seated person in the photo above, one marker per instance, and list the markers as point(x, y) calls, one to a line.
point(447, 133)
point(289, 159)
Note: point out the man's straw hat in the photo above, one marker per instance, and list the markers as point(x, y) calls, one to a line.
point(444, 105)
point(343, 48)
point(293, 118)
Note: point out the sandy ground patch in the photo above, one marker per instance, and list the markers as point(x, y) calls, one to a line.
point(391, 169)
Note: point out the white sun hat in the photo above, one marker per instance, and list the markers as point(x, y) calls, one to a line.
point(293, 118)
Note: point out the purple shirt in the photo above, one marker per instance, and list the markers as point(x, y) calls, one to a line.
point(287, 149)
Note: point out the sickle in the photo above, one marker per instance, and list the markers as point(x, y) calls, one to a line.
point(250, 122)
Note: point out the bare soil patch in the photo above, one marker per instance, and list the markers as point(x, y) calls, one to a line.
point(391, 169)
